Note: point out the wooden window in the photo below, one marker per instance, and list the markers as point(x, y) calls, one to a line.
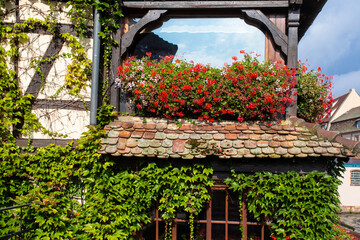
point(357, 123)
point(355, 178)
point(219, 220)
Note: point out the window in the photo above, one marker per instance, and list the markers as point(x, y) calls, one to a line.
point(355, 178)
point(357, 138)
point(220, 220)
point(357, 124)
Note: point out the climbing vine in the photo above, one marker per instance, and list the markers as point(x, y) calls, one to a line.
point(76, 193)
point(297, 206)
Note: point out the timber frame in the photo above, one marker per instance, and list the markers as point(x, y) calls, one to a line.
point(283, 22)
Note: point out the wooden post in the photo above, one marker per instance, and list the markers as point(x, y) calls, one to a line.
point(292, 57)
point(123, 98)
point(244, 220)
point(115, 63)
point(271, 53)
point(208, 221)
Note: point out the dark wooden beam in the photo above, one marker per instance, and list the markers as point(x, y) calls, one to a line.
point(257, 18)
point(61, 104)
point(37, 82)
point(61, 28)
point(205, 4)
point(115, 63)
point(23, 142)
point(128, 38)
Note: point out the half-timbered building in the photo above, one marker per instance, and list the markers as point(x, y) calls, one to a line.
point(293, 145)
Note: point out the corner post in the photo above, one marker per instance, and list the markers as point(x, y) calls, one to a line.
point(292, 56)
point(115, 63)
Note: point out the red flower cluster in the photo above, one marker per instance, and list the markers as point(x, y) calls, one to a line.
point(244, 90)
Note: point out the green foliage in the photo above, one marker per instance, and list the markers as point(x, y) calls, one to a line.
point(298, 206)
point(314, 94)
point(117, 201)
point(76, 193)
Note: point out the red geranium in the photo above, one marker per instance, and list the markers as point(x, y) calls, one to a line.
point(247, 88)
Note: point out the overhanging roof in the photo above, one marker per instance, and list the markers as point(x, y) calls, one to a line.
point(294, 138)
point(187, 8)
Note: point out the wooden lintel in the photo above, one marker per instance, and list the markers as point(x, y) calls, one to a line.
point(61, 104)
point(61, 28)
point(23, 142)
point(205, 4)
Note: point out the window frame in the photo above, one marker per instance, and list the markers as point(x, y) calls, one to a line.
point(209, 221)
point(357, 123)
point(351, 177)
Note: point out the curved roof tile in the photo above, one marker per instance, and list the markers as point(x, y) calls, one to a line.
point(130, 136)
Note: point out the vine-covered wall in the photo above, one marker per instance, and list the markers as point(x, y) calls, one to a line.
point(76, 193)
point(48, 58)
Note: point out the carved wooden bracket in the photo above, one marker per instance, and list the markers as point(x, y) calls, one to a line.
point(262, 21)
point(128, 38)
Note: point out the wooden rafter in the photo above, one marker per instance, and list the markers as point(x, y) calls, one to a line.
point(204, 4)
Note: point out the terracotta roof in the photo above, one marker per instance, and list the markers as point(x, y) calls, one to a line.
point(337, 103)
point(129, 136)
point(353, 113)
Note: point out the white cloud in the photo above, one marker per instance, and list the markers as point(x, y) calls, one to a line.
point(344, 82)
point(212, 41)
point(202, 29)
point(234, 25)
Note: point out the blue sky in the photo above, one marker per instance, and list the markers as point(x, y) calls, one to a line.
point(332, 42)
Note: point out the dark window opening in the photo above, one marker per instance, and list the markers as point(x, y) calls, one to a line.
point(219, 220)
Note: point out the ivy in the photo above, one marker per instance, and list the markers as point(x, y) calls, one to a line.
point(297, 206)
point(76, 193)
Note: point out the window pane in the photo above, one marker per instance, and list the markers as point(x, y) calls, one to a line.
point(218, 205)
point(234, 232)
point(149, 231)
point(254, 232)
point(234, 214)
point(217, 232)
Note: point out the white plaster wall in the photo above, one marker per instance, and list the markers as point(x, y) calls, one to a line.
point(56, 77)
point(349, 195)
point(40, 9)
point(34, 48)
point(70, 122)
